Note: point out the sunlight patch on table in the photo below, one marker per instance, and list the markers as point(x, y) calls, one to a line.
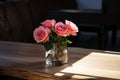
point(59, 74)
point(81, 77)
point(113, 52)
point(98, 65)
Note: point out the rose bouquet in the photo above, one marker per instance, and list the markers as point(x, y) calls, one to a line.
point(54, 36)
point(50, 32)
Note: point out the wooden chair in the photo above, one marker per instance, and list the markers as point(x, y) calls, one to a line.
point(112, 9)
point(92, 20)
point(18, 21)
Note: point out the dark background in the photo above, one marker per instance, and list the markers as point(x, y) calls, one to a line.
point(18, 19)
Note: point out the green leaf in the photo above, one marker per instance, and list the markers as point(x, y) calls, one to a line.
point(48, 45)
point(69, 42)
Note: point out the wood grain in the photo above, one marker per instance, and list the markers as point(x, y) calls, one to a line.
point(26, 61)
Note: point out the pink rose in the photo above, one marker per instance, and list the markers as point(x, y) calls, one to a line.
point(72, 28)
point(41, 34)
point(61, 29)
point(49, 23)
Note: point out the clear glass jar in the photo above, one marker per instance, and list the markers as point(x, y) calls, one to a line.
point(58, 55)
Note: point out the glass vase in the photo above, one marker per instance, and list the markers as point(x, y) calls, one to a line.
point(58, 55)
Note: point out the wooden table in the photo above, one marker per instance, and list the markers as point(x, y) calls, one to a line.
point(26, 61)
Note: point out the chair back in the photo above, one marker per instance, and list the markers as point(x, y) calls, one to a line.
point(111, 7)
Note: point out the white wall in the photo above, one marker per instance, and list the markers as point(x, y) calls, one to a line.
point(89, 4)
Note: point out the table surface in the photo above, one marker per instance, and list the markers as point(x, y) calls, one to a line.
point(26, 61)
